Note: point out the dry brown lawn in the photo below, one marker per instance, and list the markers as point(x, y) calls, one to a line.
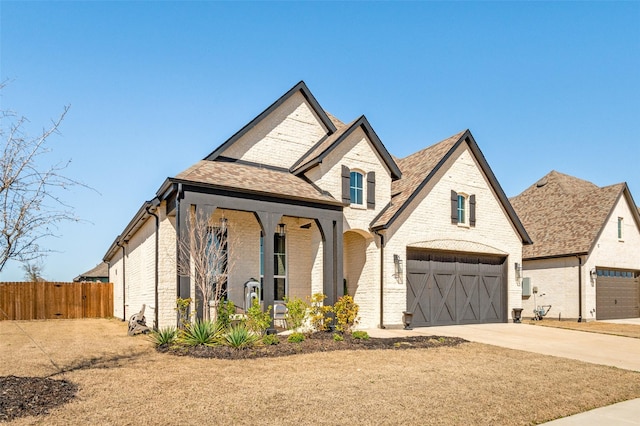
point(626, 330)
point(122, 380)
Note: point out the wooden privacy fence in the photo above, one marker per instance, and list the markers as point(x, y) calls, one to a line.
point(49, 300)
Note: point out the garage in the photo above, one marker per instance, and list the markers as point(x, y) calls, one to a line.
point(617, 294)
point(455, 288)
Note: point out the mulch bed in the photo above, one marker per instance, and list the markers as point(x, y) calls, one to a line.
point(316, 342)
point(32, 396)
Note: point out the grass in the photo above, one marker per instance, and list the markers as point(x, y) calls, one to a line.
point(123, 380)
point(625, 330)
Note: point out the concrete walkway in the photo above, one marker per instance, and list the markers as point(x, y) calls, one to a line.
point(616, 351)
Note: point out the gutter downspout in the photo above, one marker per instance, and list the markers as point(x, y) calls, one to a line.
point(124, 281)
point(381, 325)
point(148, 208)
point(179, 195)
point(579, 288)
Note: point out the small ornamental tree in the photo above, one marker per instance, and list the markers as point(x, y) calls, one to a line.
point(204, 258)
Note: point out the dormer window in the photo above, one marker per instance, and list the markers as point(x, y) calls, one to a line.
point(355, 188)
point(463, 209)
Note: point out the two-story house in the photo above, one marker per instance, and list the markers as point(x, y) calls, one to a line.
point(312, 204)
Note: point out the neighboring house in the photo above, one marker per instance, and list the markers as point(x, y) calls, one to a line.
point(585, 260)
point(315, 205)
point(98, 274)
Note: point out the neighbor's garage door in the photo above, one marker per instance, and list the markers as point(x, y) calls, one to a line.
point(617, 294)
point(449, 288)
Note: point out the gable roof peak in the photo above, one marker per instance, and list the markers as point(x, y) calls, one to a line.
point(302, 88)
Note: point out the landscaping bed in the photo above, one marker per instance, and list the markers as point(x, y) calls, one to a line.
point(32, 396)
point(315, 342)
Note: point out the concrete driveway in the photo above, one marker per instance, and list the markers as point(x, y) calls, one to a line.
point(621, 352)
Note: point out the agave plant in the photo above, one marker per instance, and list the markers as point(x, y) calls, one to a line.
point(201, 333)
point(240, 337)
point(163, 336)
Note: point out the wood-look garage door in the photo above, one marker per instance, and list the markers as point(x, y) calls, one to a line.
point(617, 294)
point(447, 289)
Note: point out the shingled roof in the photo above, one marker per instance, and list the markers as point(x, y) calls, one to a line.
point(563, 214)
point(254, 178)
point(416, 169)
point(419, 168)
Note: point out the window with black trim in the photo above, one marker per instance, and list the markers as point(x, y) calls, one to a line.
point(279, 265)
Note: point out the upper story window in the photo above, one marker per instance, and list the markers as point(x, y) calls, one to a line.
point(620, 227)
point(353, 188)
point(463, 209)
point(356, 188)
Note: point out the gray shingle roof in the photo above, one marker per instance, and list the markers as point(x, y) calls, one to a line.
point(100, 271)
point(254, 178)
point(563, 214)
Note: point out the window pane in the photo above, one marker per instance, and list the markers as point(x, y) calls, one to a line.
point(279, 287)
point(356, 188)
point(461, 209)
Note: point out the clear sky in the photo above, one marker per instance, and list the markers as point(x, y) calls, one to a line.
point(156, 86)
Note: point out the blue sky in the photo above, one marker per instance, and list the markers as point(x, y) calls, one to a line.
point(155, 86)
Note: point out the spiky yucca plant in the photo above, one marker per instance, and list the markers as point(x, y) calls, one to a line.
point(201, 333)
point(163, 336)
point(240, 337)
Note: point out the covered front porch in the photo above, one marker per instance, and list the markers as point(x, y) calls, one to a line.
point(293, 247)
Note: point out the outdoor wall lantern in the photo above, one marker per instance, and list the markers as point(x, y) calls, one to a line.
point(398, 267)
point(593, 274)
point(281, 227)
point(518, 272)
point(223, 223)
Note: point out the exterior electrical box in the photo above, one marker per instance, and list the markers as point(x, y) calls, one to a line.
point(526, 287)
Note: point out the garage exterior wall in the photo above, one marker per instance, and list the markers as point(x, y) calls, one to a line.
point(428, 224)
point(557, 279)
point(293, 128)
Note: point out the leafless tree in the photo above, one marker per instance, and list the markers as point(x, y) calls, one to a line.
point(205, 258)
point(30, 208)
point(33, 272)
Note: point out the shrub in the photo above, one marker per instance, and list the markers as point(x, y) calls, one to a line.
point(297, 311)
point(201, 333)
point(318, 313)
point(296, 337)
point(226, 309)
point(258, 321)
point(360, 335)
point(270, 339)
point(346, 313)
point(338, 337)
point(163, 336)
point(239, 337)
point(182, 306)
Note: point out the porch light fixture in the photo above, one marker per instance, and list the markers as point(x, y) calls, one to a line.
point(518, 268)
point(281, 228)
point(223, 222)
point(593, 274)
point(398, 268)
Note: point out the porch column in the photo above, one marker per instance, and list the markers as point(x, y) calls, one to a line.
point(268, 222)
point(331, 231)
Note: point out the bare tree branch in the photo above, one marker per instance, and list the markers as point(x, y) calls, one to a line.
point(204, 256)
point(30, 210)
